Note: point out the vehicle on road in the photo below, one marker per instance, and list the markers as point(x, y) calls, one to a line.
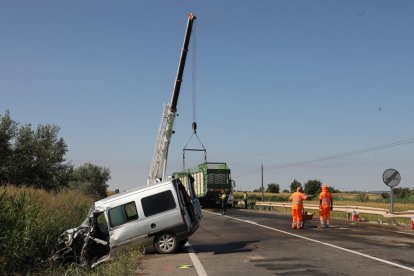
point(160, 216)
point(210, 178)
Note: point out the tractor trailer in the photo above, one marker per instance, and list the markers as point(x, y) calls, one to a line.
point(210, 178)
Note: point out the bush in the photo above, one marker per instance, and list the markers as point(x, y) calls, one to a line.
point(362, 197)
point(410, 199)
point(385, 195)
point(32, 220)
point(402, 193)
point(313, 187)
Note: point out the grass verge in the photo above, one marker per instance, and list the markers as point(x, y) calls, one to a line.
point(31, 221)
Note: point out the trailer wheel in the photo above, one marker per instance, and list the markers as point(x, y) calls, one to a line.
point(165, 243)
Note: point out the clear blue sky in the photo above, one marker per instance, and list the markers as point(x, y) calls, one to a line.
point(277, 83)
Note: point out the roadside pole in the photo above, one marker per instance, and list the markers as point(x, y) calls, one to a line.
point(391, 178)
point(262, 184)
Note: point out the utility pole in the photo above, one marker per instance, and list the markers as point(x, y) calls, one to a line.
point(262, 185)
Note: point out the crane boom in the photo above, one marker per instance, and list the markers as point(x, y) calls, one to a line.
point(159, 161)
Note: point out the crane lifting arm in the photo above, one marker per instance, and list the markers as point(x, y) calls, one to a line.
point(159, 161)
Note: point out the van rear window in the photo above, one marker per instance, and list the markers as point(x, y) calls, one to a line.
point(158, 203)
point(122, 214)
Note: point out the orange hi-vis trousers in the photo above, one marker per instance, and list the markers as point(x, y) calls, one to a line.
point(324, 214)
point(297, 217)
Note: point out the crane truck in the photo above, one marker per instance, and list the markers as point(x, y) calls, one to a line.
point(210, 178)
point(160, 156)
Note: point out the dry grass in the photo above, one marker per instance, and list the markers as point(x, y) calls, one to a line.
point(32, 220)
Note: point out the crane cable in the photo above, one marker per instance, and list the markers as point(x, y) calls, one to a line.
point(194, 78)
point(194, 94)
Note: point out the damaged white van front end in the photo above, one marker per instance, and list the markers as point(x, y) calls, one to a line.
point(161, 217)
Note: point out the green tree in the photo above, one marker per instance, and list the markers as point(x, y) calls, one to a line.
point(50, 167)
point(312, 187)
point(8, 129)
point(91, 180)
point(294, 185)
point(362, 197)
point(273, 188)
point(258, 190)
point(333, 190)
point(385, 195)
point(401, 193)
point(38, 158)
point(21, 173)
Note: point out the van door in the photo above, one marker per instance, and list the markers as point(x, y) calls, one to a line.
point(194, 198)
point(187, 208)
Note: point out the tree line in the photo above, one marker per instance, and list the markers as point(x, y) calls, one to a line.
point(311, 187)
point(36, 157)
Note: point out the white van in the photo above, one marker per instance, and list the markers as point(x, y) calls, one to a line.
point(160, 216)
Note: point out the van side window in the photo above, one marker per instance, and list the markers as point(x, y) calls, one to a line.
point(122, 214)
point(158, 203)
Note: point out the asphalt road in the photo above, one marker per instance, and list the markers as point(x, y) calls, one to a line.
point(249, 242)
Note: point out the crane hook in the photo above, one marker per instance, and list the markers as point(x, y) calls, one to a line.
point(194, 127)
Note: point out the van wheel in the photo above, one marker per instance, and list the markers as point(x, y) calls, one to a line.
point(165, 243)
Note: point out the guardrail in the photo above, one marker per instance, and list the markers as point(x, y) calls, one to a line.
point(347, 209)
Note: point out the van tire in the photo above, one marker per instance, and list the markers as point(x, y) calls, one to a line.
point(165, 243)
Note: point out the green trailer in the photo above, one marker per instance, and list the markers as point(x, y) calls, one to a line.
point(210, 178)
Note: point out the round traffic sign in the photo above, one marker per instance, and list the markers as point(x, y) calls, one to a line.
point(391, 177)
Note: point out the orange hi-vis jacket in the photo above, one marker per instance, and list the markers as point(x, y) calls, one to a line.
point(326, 198)
point(297, 200)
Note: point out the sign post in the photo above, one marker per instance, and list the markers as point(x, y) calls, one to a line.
point(391, 178)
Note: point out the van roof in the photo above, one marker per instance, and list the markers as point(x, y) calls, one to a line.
point(129, 192)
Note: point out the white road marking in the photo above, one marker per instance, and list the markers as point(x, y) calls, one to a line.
point(399, 232)
point(196, 262)
point(252, 222)
point(320, 242)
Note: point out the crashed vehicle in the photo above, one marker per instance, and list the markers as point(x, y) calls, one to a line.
point(161, 216)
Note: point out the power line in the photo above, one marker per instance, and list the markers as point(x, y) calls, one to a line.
point(336, 156)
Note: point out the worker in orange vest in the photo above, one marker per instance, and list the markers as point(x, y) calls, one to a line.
point(297, 207)
point(325, 206)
